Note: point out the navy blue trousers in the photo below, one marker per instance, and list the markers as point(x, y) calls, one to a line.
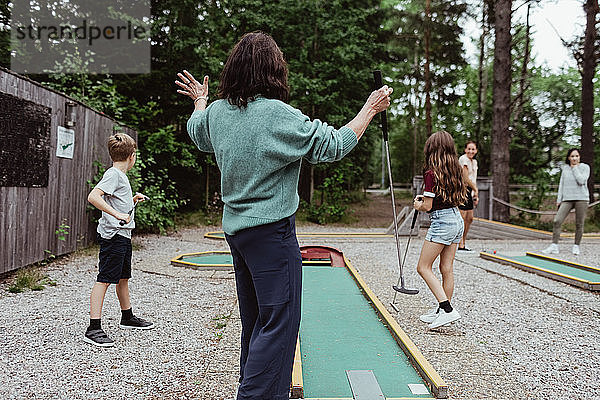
point(268, 276)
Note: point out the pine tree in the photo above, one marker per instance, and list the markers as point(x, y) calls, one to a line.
point(590, 58)
point(502, 83)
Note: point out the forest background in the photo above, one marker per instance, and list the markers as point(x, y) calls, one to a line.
point(332, 47)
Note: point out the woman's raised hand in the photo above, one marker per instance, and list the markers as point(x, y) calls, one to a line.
point(191, 87)
point(379, 99)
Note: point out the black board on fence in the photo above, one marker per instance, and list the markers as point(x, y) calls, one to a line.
point(25, 138)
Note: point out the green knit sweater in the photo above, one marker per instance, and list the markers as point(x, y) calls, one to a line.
point(259, 150)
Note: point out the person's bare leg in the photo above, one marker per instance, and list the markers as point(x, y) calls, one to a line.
point(122, 289)
point(447, 269)
point(467, 216)
point(429, 253)
point(97, 299)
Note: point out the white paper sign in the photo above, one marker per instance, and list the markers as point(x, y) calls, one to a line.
point(65, 142)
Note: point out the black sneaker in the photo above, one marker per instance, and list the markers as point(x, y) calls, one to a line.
point(98, 337)
point(464, 249)
point(135, 323)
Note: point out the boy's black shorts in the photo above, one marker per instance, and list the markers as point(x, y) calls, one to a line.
point(114, 259)
point(468, 204)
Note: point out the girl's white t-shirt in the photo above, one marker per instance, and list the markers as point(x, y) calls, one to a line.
point(471, 167)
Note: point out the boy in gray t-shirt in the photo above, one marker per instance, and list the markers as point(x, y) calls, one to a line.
point(113, 196)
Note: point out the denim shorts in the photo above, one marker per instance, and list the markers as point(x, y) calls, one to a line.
point(446, 227)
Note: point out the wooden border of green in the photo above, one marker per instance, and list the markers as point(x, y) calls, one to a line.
point(297, 390)
point(344, 235)
point(214, 267)
point(215, 235)
point(571, 280)
point(566, 235)
point(436, 384)
point(512, 226)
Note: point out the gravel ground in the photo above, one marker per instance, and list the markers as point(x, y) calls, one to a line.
point(522, 336)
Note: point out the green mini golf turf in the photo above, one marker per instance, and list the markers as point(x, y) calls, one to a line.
point(209, 259)
point(340, 331)
point(557, 267)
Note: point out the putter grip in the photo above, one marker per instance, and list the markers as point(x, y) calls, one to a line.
point(382, 115)
point(412, 225)
point(122, 222)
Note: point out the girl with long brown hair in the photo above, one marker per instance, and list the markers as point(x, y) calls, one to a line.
point(445, 189)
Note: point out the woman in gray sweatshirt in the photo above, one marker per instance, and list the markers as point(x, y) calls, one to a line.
point(572, 193)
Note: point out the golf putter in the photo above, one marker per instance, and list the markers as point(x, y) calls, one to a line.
point(122, 222)
point(384, 128)
point(400, 282)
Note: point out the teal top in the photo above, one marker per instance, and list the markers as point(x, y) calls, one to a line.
point(259, 150)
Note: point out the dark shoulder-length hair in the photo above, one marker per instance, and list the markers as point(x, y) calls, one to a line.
point(255, 67)
point(567, 161)
point(442, 160)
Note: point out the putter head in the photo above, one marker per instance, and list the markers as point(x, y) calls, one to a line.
point(404, 290)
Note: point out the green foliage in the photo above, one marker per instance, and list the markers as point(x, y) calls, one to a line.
point(334, 195)
point(331, 48)
point(533, 198)
point(406, 51)
point(4, 33)
point(158, 213)
point(593, 224)
point(170, 166)
point(220, 321)
point(323, 213)
point(330, 77)
point(63, 230)
point(30, 278)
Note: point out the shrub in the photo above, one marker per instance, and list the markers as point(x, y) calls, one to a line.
point(30, 278)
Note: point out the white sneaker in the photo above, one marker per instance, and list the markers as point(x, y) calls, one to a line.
point(444, 318)
point(552, 249)
point(576, 249)
point(430, 316)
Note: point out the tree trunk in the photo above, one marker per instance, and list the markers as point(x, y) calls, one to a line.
point(501, 119)
point(306, 182)
point(520, 99)
point(587, 91)
point(414, 117)
point(482, 90)
point(427, 75)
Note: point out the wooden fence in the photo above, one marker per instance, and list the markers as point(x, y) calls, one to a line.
point(50, 191)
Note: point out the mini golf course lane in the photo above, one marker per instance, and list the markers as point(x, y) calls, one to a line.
point(205, 259)
point(340, 331)
point(582, 276)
